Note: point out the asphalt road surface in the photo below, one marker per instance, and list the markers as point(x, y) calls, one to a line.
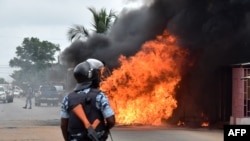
point(42, 124)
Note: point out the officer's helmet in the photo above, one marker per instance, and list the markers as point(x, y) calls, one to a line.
point(88, 70)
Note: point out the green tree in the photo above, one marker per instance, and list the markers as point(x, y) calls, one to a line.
point(2, 81)
point(102, 22)
point(33, 57)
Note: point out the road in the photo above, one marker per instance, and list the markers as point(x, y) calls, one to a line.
point(42, 124)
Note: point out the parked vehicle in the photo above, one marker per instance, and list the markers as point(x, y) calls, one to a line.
point(47, 94)
point(6, 95)
point(60, 91)
point(17, 91)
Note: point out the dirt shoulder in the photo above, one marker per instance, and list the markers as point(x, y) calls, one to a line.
point(36, 133)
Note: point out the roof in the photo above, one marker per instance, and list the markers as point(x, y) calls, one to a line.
point(241, 65)
point(246, 77)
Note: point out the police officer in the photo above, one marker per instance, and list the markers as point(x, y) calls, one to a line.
point(29, 95)
point(94, 103)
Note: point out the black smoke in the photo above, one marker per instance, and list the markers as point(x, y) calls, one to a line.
point(216, 32)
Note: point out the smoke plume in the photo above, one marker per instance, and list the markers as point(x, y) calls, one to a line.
point(215, 31)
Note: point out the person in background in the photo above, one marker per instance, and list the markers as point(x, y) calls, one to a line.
point(86, 114)
point(29, 95)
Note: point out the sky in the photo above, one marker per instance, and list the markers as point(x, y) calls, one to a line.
point(47, 20)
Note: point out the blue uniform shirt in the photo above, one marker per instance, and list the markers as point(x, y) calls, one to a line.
point(102, 103)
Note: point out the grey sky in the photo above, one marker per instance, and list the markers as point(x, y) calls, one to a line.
point(45, 19)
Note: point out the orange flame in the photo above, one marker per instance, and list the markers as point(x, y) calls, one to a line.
point(205, 122)
point(181, 123)
point(142, 90)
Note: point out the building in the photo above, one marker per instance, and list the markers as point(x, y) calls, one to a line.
point(240, 94)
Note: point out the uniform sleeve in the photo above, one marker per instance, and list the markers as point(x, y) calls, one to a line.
point(102, 103)
point(64, 108)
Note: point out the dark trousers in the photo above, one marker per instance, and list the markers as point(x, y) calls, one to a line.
point(84, 138)
point(28, 101)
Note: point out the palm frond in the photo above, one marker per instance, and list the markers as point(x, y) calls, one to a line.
point(102, 21)
point(77, 32)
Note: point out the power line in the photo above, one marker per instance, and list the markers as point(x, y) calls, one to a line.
point(8, 67)
point(5, 72)
point(19, 37)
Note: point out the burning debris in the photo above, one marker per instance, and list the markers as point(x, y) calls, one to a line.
point(167, 58)
point(142, 89)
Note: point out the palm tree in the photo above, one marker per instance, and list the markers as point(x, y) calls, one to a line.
point(77, 32)
point(102, 23)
